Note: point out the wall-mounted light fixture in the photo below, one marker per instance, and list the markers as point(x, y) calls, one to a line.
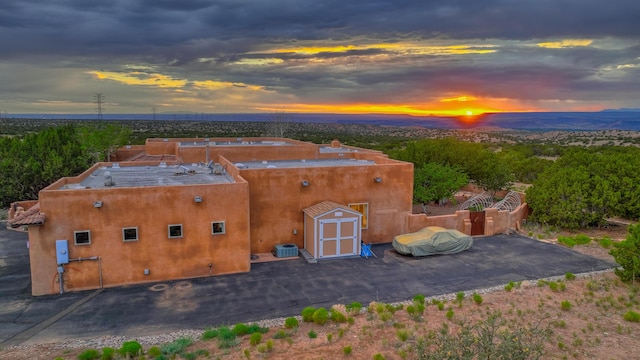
point(377, 179)
point(97, 204)
point(304, 183)
point(197, 199)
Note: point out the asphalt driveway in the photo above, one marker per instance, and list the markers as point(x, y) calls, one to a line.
point(275, 289)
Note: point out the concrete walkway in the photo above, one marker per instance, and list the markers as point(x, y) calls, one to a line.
point(272, 289)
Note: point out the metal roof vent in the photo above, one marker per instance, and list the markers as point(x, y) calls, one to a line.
point(108, 179)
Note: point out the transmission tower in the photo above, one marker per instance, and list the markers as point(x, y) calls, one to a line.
point(98, 99)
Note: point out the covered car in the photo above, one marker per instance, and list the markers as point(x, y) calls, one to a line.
point(432, 240)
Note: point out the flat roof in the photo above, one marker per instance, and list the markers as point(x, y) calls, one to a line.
point(302, 163)
point(162, 175)
point(237, 143)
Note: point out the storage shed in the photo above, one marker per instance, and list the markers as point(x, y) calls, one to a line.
point(332, 230)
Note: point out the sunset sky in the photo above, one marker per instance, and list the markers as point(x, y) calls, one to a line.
point(451, 57)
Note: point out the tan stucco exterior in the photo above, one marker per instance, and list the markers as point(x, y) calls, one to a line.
point(260, 203)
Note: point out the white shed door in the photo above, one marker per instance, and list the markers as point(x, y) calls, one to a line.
point(338, 237)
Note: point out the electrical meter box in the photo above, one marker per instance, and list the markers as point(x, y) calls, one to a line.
point(62, 252)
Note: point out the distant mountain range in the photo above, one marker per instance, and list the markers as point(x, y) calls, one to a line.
point(622, 119)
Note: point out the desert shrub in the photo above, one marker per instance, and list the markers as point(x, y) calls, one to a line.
point(307, 314)
point(411, 310)
point(320, 316)
point(354, 307)
point(419, 298)
point(488, 338)
point(378, 356)
point(226, 338)
point(566, 305)
point(477, 298)
point(177, 346)
point(89, 354)
point(509, 286)
point(403, 335)
point(553, 286)
point(347, 350)
point(209, 334)
point(255, 339)
point(108, 353)
point(291, 323)
point(240, 329)
point(440, 305)
point(130, 349)
point(449, 314)
point(280, 334)
point(255, 328)
point(337, 316)
point(570, 276)
point(606, 242)
point(329, 337)
point(460, 296)
point(581, 239)
point(567, 241)
point(153, 352)
point(312, 334)
point(627, 254)
point(269, 344)
point(631, 316)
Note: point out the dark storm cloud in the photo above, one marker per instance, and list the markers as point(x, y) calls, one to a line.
point(133, 27)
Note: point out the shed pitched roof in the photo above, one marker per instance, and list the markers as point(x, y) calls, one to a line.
point(32, 216)
point(325, 207)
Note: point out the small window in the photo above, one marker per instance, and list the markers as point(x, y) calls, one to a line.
point(130, 234)
point(82, 237)
point(217, 227)
point(362, 208)
point(175, 231)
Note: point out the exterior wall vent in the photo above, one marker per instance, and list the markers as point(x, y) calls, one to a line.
point(286, 250)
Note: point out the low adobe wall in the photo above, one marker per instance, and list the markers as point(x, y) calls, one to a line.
point(19, 207)
point(496, 222)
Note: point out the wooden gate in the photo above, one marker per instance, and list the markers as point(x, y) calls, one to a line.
point(477, 222)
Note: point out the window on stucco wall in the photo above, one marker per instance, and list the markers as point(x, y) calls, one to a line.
point(82, 237)
point(362, 208)
point(175, 231)
point(129, 234)
point(217, 228)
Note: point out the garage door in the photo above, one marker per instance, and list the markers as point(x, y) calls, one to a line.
point(338, 237)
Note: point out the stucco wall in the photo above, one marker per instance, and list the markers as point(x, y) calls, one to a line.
point(277, 200)
point(151, 209)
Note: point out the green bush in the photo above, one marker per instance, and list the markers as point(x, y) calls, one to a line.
point(255, 328)
point(566, 241)
point(631, 316)
point(553, 286)
point(210, 334)
point(291, 323)
point(108, 353)
point(378, 356)
point(627, 254)
point(419, 298)
point(153, 352)
point(255, 339)
point(307, 314)
point(280, 334)
point(449, 314)
point(131, 349)
point(570, 276)
point(566, 305)
point(477, 298)
point(354, 308)
point(605, 242)
point(337, 316)
point(582, 239)
point(312, 334)
point(320, 316)
point(89, 354)
point(177, 346)
point(347, 350)
point(240, 329)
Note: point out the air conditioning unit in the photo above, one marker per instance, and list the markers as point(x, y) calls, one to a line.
point(285, 250)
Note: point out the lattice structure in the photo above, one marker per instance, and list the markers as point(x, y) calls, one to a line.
point(478, 202)
point(510, 202)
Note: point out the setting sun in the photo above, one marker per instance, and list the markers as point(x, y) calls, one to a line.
point(469, 112)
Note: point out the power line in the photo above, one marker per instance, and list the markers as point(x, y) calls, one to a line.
point(98, 99)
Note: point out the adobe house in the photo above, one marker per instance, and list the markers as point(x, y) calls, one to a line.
point(185, 208)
